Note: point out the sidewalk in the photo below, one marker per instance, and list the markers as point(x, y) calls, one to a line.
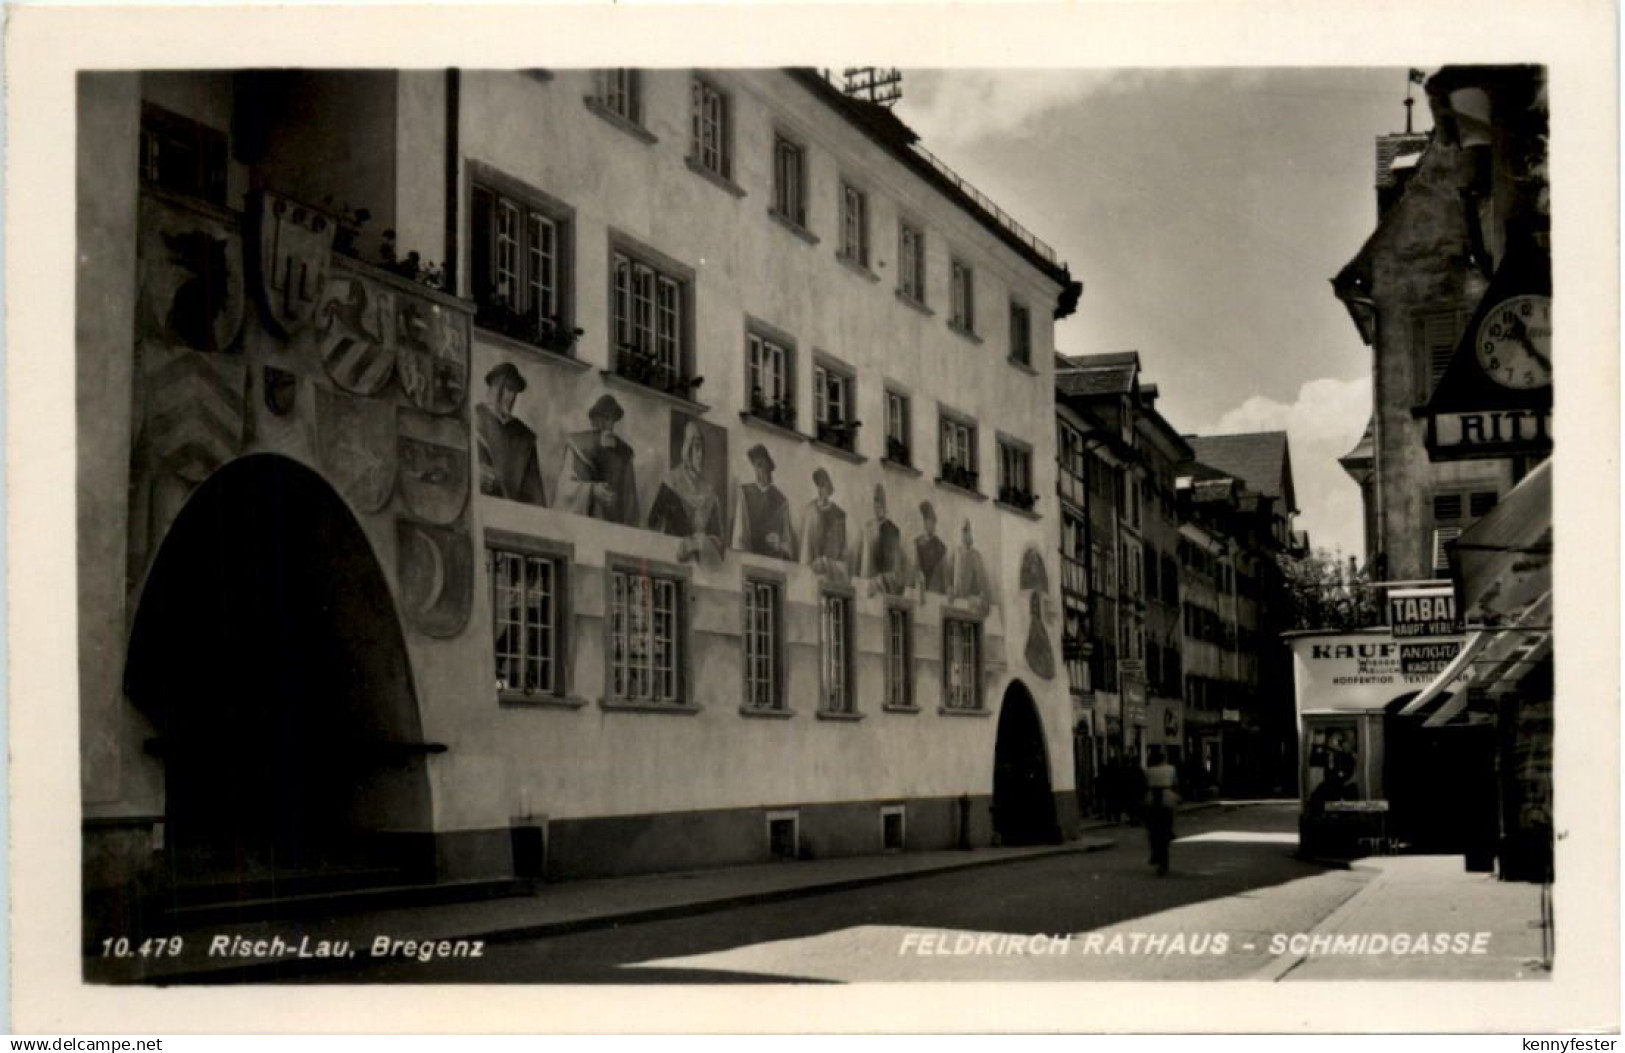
point(554, 909)
point(1422, 896)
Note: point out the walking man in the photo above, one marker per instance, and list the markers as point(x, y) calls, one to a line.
point(1160, 799)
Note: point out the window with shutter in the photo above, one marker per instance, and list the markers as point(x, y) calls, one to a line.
point(1442, 537)
point(1435, 335)
point(1446, 507)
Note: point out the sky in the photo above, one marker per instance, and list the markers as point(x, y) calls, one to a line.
point(1205, 212)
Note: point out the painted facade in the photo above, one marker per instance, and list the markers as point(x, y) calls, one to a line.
point(653, 423)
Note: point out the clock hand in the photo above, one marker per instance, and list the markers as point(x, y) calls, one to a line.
point(1522, 335)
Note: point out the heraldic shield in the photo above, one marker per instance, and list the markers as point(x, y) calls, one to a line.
point(191, 277)
point(295, 248)
point(356, 334)
point(434, 465)
point(355, 444)
point(194, 409)
point(436, 568)
point(433, 358)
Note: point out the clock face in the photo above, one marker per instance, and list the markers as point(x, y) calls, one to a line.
point(1514, 342)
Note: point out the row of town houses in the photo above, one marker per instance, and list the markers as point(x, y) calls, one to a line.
point(615, 471)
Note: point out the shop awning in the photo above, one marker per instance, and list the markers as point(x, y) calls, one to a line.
point(1489, 657)
point(1504, 561)
point(1448, 675)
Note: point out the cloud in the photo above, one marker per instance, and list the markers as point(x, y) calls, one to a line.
point(1322, 424)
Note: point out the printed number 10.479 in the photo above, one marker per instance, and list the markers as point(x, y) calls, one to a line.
point(163, 947)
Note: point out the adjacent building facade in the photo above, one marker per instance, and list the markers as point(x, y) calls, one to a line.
point(553, 473)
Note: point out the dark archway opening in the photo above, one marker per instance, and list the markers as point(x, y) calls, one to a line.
point(1023, 802)
point(267, 653)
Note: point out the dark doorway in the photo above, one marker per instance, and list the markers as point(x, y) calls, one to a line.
point(1023, 803)
point(1441, 787)
point(267, 653)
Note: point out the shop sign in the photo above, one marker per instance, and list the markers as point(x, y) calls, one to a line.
point(1131, 668)
point(1430, 658)
point(1423, 613)
point(1134, 709)
point(1350, 671)
point(1489, 433)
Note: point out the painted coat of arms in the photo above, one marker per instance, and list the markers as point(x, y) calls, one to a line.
point(355, 443)
point(295, 244)
point(436, 569)
point(191, 277)
point(434, 465)
point(432, 362)
point(356, 334)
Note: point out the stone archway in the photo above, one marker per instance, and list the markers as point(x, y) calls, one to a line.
point(267, 653)
point(1023, 799)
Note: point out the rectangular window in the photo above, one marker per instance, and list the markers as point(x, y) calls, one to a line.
point(899, 655)
point(833, 402)
point(645, 627)
point(958, 452)
point(897, 428)
point(768, 375)
point(620, 91)
point(1434, 335)
point(709, 129)
point(647, 306)
point(1481, 503)
point(182, 155)
point(854, 225)
point(1016, 475)
point(962, 663)
point(1021, 333)
point(526, 591)
point(763, 662)
point(789, 181)
point(911, 262)
point(1446, 507)
point(1443, 537)
point(835, 653)
point(962, 298)
point(517, 263)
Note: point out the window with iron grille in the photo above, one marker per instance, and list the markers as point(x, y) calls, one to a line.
point(526, 609)
point(620, 91)
point(899, 657)
point(911, 262)
point(835, 653)
point(962, 297)
point(833, 402)
point(897, 428)
point(710, 128)
point(183, 155)
point(957, 451)
point(789, 180)
point(1016, 475)
point(962, 663)
point(763, 658)
point(647, 306)
point(1021, 333)
point(518, 266)
point(645, 637)
point(854, 225)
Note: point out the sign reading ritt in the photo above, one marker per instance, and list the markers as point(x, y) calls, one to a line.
point(1425, 627)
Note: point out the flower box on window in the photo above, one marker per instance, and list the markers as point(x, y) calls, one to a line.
point(896, 450)
point(647, 369)
point(551, 334)
point(1018, 498)
point(959, 475)
point(841, 436)
point(775, 411)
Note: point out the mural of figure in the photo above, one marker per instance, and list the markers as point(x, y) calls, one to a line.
point(1034, 577)
point(930, 554)
point(509, 464)
point(686, 504)
point(824, 544)
point(883, 551)
point(764, 514)
point(201, 298)
point(969, 580)
point(596, 478)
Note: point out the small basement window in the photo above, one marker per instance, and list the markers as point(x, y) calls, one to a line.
point(891, 828)
point(783, 835)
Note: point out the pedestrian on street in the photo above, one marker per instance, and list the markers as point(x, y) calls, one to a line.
point(1160, 799)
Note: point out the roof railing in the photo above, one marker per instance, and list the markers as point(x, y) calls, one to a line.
point(986, 204)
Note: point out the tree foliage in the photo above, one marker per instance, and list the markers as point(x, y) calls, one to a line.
point(1326, 591)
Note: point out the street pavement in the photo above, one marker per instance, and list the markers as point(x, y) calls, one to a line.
point(1236, 888)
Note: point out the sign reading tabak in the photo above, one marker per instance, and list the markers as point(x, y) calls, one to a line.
point(1426, 628)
